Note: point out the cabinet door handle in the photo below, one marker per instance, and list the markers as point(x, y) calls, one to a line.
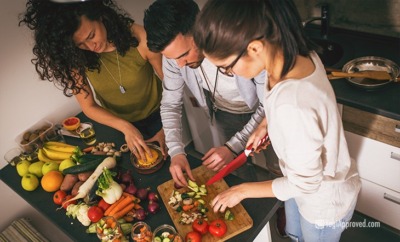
point(391, 198)
point(395, 156)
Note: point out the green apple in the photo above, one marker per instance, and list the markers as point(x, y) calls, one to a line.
point(49, 166)
point(29, 182)
point(36, 168)
point(66, 164)
point(23, 167)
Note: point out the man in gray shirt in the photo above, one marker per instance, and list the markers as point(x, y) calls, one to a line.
point(229, 101)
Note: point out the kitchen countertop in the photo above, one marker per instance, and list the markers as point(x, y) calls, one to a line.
point(385, 101)
point(260, 210)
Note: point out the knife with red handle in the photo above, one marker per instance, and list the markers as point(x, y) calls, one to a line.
point(236, 163)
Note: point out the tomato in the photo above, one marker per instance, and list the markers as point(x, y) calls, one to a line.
point(66, 198)
point(193, 236)
point(103, 205)
point(95, 213)
point(217, 228)
point(200, 225)
point(59, 196)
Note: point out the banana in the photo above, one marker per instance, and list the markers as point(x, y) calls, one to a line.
point(66, 149)
point(42, 157)
point(58, 143)
point(56, 155)
point(62, 147)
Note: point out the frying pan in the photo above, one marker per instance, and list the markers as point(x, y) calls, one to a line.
point(371, 63)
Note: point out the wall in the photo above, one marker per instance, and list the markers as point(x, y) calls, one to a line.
point(370, 16)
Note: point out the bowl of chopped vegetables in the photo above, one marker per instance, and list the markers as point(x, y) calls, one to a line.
point(108, 229)
point(151, 164)
point(141, 232)
point(166, 233)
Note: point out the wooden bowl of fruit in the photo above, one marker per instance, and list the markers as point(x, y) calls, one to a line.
point(151, 164)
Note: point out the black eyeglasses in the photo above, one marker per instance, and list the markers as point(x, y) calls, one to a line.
point(227, 70)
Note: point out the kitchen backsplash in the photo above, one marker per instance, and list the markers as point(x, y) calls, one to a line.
point(372, 16)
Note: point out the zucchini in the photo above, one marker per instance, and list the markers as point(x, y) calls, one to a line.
point(89, 166)
point(229, 215)
point(91, 229)
point(126, 228)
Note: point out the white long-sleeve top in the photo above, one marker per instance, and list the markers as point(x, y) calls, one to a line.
point(306, 131)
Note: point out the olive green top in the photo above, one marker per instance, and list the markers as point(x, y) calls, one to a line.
point(143, 87)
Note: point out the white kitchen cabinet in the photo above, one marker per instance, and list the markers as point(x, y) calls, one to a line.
point(374, 142)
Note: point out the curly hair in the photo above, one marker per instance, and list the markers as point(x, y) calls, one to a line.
point(165, 19)
point(57, 58)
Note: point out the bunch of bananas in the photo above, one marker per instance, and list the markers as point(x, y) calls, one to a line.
point(57, 151)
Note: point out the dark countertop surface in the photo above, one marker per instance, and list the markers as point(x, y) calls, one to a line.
point(260, 210)
point(385, 101)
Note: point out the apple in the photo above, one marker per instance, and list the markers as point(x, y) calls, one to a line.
point(65, 164)
point(23, 167)
point(49, 166)
point(36, 168)
point(29, 182)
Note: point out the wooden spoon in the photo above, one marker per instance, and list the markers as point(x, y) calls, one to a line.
point(377, 75)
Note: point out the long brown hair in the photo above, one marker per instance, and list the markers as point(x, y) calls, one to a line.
point(225, 27)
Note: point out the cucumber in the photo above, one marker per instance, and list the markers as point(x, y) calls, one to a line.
point(89, 157)
point(88, 166)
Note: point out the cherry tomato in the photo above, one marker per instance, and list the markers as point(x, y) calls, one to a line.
point(59, 196)
point(103, 205)
point(193, 236)
point(217, 228)
point(95, 213)
point(66, 198)
point(200, 225)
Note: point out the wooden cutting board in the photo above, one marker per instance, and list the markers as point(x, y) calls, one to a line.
point(242, 221)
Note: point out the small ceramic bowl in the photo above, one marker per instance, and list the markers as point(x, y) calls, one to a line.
point(150, 167)
point(71, 123)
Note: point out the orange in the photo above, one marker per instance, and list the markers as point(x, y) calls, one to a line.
point(51, 181)
point(149, 160)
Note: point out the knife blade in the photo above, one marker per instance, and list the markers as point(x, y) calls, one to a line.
point(236, 163)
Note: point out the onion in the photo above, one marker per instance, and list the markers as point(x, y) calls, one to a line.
point(141, 193)
point(140, 214)
point(152, 196)
point(153, 207)
point(131, 188)
point(126, 177)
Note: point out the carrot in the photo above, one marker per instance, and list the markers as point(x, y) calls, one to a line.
point(123, 211)
point(88, 149)
point(110, 208)
point(135, 199)
point(121, 205)
point(187, 207)
point(137, 206)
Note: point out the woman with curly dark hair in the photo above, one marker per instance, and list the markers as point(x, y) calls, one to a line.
point(96, 44)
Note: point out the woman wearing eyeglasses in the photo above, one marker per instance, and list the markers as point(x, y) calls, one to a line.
point(320, 182)
point(95, 44)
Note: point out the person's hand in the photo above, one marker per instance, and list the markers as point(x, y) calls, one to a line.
point(257, 135)
point(216, 158)
point(159, 137)
point(180, 164)
point(137, 145)
point(228, 198)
